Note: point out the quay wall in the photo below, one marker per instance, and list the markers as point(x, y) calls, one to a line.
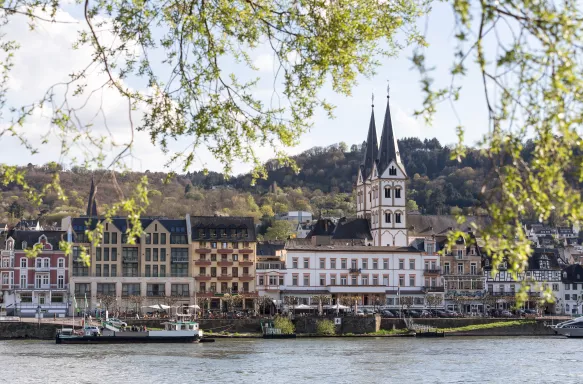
point(389, 324)
point(17, 330)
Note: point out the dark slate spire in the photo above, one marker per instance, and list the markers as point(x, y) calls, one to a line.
point(372, 146)
point(389, 149)
point(92, 203)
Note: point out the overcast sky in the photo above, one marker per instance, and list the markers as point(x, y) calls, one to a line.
point(46, 57)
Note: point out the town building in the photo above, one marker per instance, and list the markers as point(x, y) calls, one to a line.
point(570, 298)
point(372, 275)
point(36, 285)
point(271, 269)
point(542, 272)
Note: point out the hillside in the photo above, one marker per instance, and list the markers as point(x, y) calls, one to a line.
point(324, 185)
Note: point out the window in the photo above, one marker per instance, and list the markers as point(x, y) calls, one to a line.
point(106, 270)
point(23, 262)
point(235, 245)
point(401, 264)
point(566, 287)
point(354, 280)
point(113, 237)
point(60, 281)
point(460, 268)
point(148, 254)
point(501, 288)
point(306, 263)
point(179, 255)
point(113, 270)
point(179, 290)
point(178, 269)
point(574, 296)
point(148, 238)
point(473, 268)
point(162, 254)
point(397, 217)
point(364, 263)
point(295, 263)
point(148, 270)
point(322, 263)
point(387, 217)
point(332, 263)
point(105, 237)
point(98, 270)
point(567, 296)
point(113, 254)
point(322, 280)
point(155, 257)
point(130, 270)
point(387, 195)
point(23, 281)
point(343, 280)
point(411, 280)
point(446, 269)
point(401, 280)
point(369, 197)
point(213, 244)
point(106, 289)
point(82, 289)
point(343, 263)
point(544, 262)
point(132, 289)
point(430, 248)
point(162, 238)
point(460, 253)
point(411, 263)
point(105, 254)
point(375, 264)
point(575, 286)
point(156, 289)
point(155, 238)
point(364, 280)
point(155, 270)
point(385, 264)
point(295, 280)
point(80, 269)
point(332, 279)
point(393, 171)
point(398, 193)
point(306, 280)
point(181, 239)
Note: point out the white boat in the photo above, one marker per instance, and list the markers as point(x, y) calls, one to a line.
point(570, 328)
point(174, 332)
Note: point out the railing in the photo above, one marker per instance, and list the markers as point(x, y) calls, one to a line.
point(203, 277)
point(246, 262)
point(354, 270)
point(246, 276)
point(455, 273)
point(269, 266)
point(433, 289)
point(432, 270)
point(42, 268)
point(42, 286)
point(225, 262)
point(512, 294)
point(179, 259)
point(225, 277)
point(202, 262)
point(129, 259)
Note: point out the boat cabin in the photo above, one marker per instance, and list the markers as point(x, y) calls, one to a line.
point(181, 326)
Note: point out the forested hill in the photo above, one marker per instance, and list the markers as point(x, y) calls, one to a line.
point(324, 185)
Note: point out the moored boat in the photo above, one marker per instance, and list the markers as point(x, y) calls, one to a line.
point(174, 332)
point(570, 328)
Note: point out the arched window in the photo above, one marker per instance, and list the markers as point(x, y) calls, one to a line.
point(387, 217)
point(387, 193)
point(397, 217)
point(397, 193)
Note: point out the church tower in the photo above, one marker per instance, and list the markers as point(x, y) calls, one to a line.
point(388, 191)
point(363, 183)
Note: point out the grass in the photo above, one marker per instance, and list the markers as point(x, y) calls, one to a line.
point(387, 332)
point(499, 324)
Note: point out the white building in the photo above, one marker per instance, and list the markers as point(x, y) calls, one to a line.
point(324, 266)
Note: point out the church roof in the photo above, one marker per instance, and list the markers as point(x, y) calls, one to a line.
point(354, 228)
point(389, 149)
point(371, 151)
point(92, 202)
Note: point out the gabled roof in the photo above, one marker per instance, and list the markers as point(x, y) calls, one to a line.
point(572, 274)
point(389, 149)
point(269, 248)
point(541, 254)
point(371, 151)
point(174, 225)
point(32, 237)
point(323, 227)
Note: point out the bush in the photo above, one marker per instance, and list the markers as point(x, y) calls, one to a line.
point(285, 324)
point(325, 327)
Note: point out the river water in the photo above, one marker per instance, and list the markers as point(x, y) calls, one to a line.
point(348, 360)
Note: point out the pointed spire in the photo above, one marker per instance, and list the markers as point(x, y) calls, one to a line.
point(92, 203)
point(372, 145)
point(389, 149)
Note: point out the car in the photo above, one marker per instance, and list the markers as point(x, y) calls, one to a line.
point(387, 313)
point(92, 330)
point(359, 313)
point(117, 322)
point(414, 313)
point(506, 314)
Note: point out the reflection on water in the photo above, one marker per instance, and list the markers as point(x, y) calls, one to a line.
point(380, 360)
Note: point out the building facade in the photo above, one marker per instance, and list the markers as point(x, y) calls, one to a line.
point(35, 285)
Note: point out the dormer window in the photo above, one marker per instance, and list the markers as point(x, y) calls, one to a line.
point(544, 262)
point(393, 171)
point(24, 244)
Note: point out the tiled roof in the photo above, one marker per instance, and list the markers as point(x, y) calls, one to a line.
point(32, 237)
point(322, 227)
point(354, 228)
point(269, 248)
point(572, 274)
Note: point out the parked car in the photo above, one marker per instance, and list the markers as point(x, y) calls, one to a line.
point(413, 313)
point(359, 313)
point(117, 322)
point(506, 314)
point(387, 313)
point(441, 313)
point(426, 313)
point(92, 330)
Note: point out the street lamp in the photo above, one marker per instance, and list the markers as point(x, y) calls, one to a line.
point(38, 315)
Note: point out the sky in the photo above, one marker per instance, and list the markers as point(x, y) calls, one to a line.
point(46, 57)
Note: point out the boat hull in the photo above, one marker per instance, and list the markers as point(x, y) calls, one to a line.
point(570, 332)
point(125, 339)
point(280, 336)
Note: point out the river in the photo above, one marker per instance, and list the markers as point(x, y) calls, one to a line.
point(348, 360)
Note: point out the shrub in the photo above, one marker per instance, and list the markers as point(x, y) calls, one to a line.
point(285, 324)
point(325, 327)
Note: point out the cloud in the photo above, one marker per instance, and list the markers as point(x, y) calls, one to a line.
point(264, 62)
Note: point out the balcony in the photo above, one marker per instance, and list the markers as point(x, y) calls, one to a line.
point(354, 270)
point(225, 277)
point(202, 250)
point(202, 262)
point(203, 277)
point(179, 259)
point(246, 277)
point(431, 271)
point(225, 251)
point(455, 273)
point(42, 287)
point(246, 263)
point(44, 268)
point(130, 259)
point(271, 288)
point(246, 250)
point(225, 263)
point(433, 289)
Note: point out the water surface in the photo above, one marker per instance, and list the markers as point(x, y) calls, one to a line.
point(378, 360)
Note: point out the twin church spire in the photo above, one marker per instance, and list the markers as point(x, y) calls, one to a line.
point(388, 150)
